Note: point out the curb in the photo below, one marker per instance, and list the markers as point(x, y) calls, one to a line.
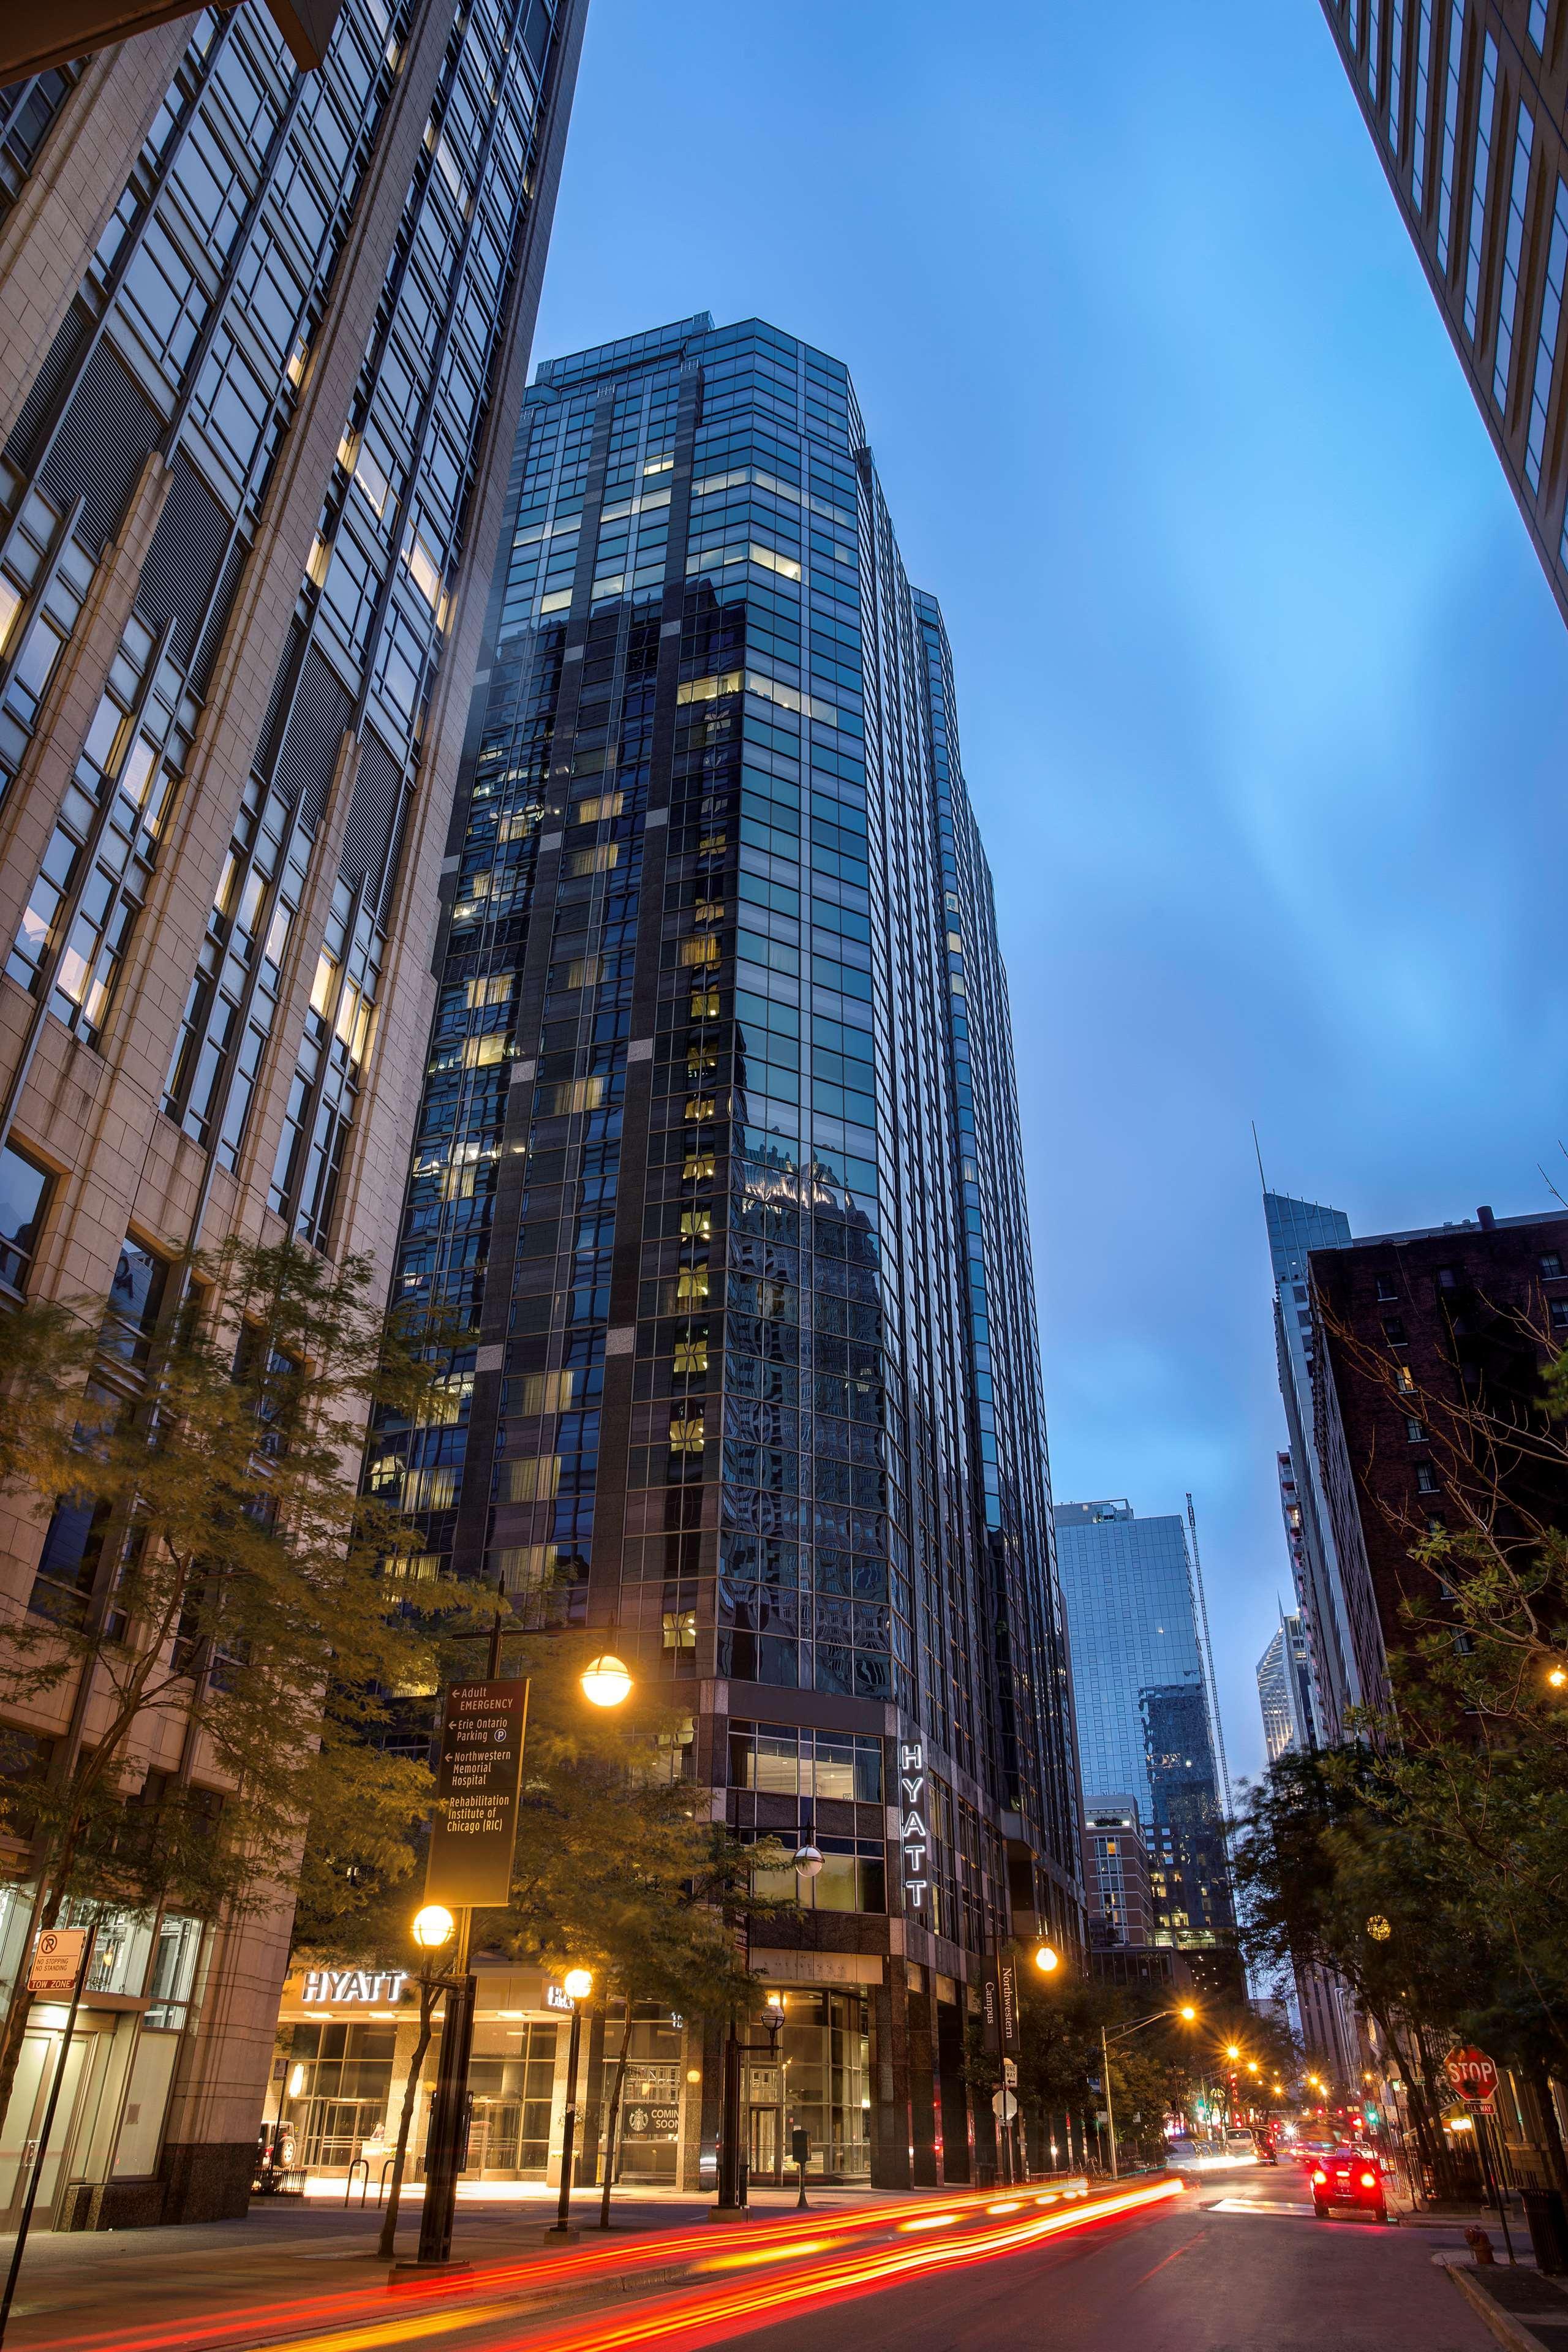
point(1503, 2324)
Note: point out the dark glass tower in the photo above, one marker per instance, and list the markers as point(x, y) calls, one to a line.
point(1467, 101)
point(719, 1150)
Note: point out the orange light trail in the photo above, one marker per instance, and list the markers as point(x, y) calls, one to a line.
point(700, 2317)
point(360, 2322)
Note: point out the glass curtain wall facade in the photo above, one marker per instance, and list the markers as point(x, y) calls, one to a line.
point(1144, 1725)
point(1467, 102)
point(259, 381)
point(719, 1148)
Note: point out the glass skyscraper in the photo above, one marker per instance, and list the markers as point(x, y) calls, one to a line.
point(720, 1150)
point(265, 343)
point(1141, 1697)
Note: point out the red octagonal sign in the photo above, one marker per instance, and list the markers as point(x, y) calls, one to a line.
point(1472, 2074)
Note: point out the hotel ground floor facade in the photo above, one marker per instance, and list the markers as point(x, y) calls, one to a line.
point(871, 2063)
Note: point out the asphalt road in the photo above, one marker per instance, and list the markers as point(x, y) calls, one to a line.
point(1182, 2278)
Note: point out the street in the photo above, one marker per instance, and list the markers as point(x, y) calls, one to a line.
point(1226, 2261)
point(1182, 2277)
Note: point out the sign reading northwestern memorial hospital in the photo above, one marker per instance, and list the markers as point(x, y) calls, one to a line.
point(474, 1827)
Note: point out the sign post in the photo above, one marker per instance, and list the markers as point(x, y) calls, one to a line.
point(1474, 2076)
point(473, 1833)
point(61, 1959)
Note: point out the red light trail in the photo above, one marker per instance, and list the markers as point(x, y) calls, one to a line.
point(709, 2306)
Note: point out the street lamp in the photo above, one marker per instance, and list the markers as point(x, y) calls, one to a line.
point(1048, 1957)
point(1187, 2012)
point(605, 1681)
point(731, 2204)
point(576, 1984)
point(432, 1927)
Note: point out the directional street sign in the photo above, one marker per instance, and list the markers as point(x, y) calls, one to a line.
point(1473, 2075)
point(474, 1828)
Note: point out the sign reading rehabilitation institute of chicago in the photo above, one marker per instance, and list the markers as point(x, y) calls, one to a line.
point(474, 1827)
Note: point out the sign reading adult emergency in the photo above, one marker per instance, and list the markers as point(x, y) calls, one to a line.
point(474, 1828)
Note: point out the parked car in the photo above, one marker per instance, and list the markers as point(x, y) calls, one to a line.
point(1241, 2142)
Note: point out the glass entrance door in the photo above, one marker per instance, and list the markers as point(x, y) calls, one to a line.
point(24, 2120)
point(764, 2144)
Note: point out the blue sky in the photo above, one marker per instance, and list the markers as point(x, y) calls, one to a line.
point(1261, 692)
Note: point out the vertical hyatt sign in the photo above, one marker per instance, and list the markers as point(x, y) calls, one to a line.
point(480, 1775)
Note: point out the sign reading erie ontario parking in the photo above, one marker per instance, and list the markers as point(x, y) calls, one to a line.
point(474, 1827)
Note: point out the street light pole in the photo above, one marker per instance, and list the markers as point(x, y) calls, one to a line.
point(1109, 2116)
point(578, 1984)
point(446, 2145)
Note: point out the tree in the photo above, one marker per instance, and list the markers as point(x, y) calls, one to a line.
point(239, 1613)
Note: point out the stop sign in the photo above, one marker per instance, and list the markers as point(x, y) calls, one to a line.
point(1472, 2074)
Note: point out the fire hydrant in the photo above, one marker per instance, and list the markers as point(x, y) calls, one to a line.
point(1480, 2246)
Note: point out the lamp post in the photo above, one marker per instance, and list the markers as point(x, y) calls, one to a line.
point(1187, 2012)
point(446, 2142)
point(604, 1682)
point(732, 2205)
point(577, 1984)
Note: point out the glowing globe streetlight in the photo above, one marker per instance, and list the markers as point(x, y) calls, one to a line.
point(605, 1681)
point(432, 1927)
point(1557, 1676)
point(806, 1860)
point(1188, 2012)
point(1378, 1929)
point(1048, 1957)
point(577, 1984)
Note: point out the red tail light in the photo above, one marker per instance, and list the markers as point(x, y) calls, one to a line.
point(1369, 2181)
point(1319, 2178)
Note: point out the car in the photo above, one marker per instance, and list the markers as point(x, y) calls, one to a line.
point(1350, 2177)
point(1241, 2142)
point(1181, 2152)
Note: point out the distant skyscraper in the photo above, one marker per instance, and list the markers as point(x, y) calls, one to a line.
point(1285, 1692)
point(1335, 1599)
point(720, 1151)
point(1467, 101)
point(263, 341)
point(1142, 1697)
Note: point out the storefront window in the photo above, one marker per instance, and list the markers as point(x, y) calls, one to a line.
point(649, 2132)
point(337, 2090)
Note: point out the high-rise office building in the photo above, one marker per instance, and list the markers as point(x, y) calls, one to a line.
point(1467, 101)
point(1285, 1691)
point(1143, 1705)
point(1334, 1592)
point(720, 1150)
point(264, 348)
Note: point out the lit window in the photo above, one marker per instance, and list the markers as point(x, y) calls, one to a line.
point(698, 1168)
point(424, 566)
point(692, 1356)
point(483, 1052)
point(686, 1437)
point(698, 1222)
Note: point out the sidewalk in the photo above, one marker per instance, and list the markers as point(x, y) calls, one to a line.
point(1523, 2310)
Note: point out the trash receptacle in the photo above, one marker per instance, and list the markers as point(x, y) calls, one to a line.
point(1548, 2220)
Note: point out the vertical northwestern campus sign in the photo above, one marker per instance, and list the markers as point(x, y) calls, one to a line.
point(474, 1828)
